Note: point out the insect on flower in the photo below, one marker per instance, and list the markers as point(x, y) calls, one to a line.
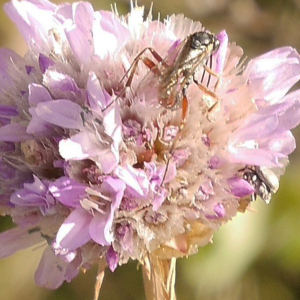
point(175, 75)
point(263, 180)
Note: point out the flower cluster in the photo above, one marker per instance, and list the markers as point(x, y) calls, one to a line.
point(95, 167)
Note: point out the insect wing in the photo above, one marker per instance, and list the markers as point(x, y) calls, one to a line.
point(163, 69)
point(173, 53)
point(269, 177)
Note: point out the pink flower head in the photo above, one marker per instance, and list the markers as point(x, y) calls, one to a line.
point(109, 153)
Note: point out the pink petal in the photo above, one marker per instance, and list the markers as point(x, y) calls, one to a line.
point(99, 35)
point(107, 161)
point(14, 133)
point(240, 187)
point(111, 24)
point(222, 51)
point(257, 157)
point(134, 178)
point(282, 143)
point(64, 113)
point(112, 259)
point(37, 94)
point(59, 83)
point(100, 228)
point(98, 97)
point(80, 35)
point(8, 58)
point(34, 22)
point(115, 188)
point(257, 127)
point(68, 191)
point(81, 146)
point(51, 271)
point(38, 126)
point(74, 231)
point(16, 239)
point(265, 73)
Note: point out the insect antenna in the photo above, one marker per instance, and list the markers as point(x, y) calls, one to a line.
point(210, 61)
point(210, 66)
point(203, 74)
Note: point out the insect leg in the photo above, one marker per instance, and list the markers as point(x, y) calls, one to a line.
point(212, 73)
point(132, 70)
point(184, 113)
point(138, 58)
point(185, 110)
point(207, 91)
point(148, 63)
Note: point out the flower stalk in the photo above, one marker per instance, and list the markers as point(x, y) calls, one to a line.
point(99, 279)
point(159, 278)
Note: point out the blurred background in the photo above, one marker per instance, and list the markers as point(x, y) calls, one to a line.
point(257, 255)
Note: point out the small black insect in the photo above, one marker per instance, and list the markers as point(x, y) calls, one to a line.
point(264, 181)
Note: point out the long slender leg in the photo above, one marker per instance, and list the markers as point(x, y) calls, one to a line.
point(132, 70)
point(133, 66)
point(212, 94)
point(184, 113)
point(207, 91)
point(148, 62)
